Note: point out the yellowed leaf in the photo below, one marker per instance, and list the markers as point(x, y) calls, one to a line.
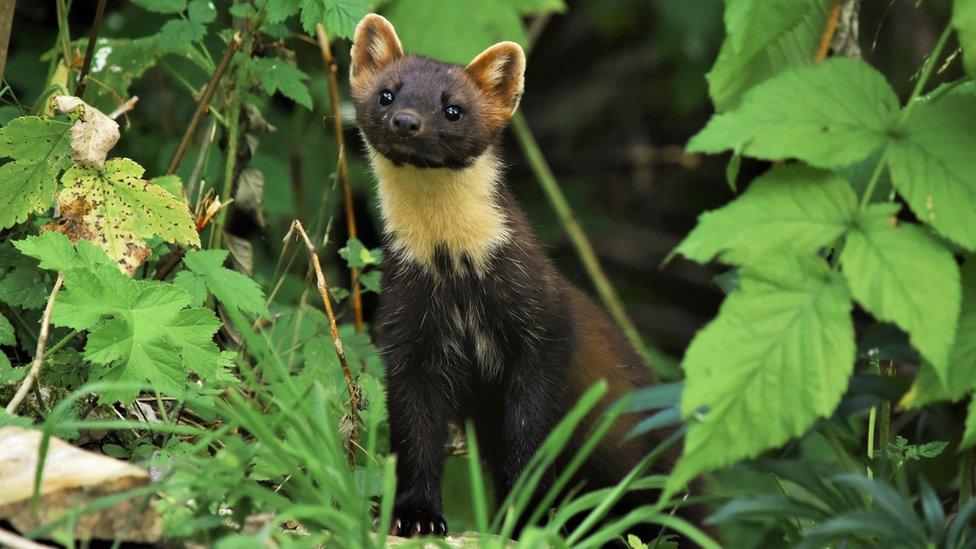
point(92, 135)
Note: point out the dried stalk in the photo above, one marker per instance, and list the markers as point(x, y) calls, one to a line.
point(89, 51)
point(13, 541)
point(203, 103)
point(323, 40)
point(828, 34)
point(323, 287)
point(35, 370)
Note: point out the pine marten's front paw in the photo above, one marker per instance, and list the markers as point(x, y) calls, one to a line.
point(415, 523)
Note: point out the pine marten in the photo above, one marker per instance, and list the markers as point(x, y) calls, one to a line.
point(474, 321)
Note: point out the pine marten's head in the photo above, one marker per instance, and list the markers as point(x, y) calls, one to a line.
point(418, 111)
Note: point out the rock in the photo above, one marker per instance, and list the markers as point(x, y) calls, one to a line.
point(72, 478)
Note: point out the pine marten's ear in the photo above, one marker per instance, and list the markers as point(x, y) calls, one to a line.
point(375, 45)
point(499, 72)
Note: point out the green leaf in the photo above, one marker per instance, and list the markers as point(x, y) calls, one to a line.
point(829, 115)
point(964, 20)
point(960, 377)
point(9, 374)
point(776, 358)
point(162, 6)
point(195, 285)
point(371, 280)
point(932, 165)
point(277, 75)
point(38, 148)
point(358, 256)
point(901, 274)
point(23, 287)
point(459, 30)
point(793, 208)
point(969, 434)
point(751, 24)
point(116, 62)
point(201, 12)
point(230, 287)
point(177, 34)
point(277, 11)
point(748, 57)
point(338, 16)
point(6, 332)
point(124, 208)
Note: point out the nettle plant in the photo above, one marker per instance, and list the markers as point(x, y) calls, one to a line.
point(825, 229)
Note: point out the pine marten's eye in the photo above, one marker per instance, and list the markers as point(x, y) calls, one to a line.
point(386, 97)
point(452, 113)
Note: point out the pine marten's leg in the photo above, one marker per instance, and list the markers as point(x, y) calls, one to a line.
point(418, 411)
point(531, 408)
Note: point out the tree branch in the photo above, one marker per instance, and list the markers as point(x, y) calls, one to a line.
point(323, 287)
point(828, 34)
point(332, 71)
point(7, 8)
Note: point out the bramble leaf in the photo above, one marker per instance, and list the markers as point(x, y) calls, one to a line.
point(338, 16)
point(901, 274)
point(229, 287)
point(119, 209)
point(960, 376)
point(776, 358)
point(23, 287)
point(38, 148)
point(758, 46)
point(830, 115)
point(794, 208)
point(932, 165)
point(162, 6)
point(6, 332)
point(278, 75)
point(964, 20)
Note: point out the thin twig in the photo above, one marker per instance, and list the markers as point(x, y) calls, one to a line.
point(828, 34)
point(203, 103)
point(323, 39)
point(125, 107)
point(323, 288)
point(35, 370)
point(13, 541)
point(89, 51)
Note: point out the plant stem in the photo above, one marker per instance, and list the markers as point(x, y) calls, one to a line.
point(828, 34)
point(323, 287)
point(930, 63)
point(332, 71)
point(203, 104)
point(89, 51)
point(661, 363)
point(35, 370)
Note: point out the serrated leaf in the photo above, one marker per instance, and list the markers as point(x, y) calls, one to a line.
point(9, 374)
point(793, 208)
point(338, 16)
point(964, 20)
point(177, 34)
point(900, 274)
point(6, 332)
point(745, 59)
point(829, 115)
point(23, 287)
point(116, 62)
point(35, 138)
point(932, 166)
point(960, 377)
point(162, 6)
point(358, 256)
point(144, 354)
point(277, 11)
point(123, 208)
point(277, 75)
point(371, 280)
point(776, 358)
point(38, 148)
point(229, 287)
point(201, 11)
point(195, 285)
point(751, 24)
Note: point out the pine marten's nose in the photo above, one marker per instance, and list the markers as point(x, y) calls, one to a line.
point(407, 123)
